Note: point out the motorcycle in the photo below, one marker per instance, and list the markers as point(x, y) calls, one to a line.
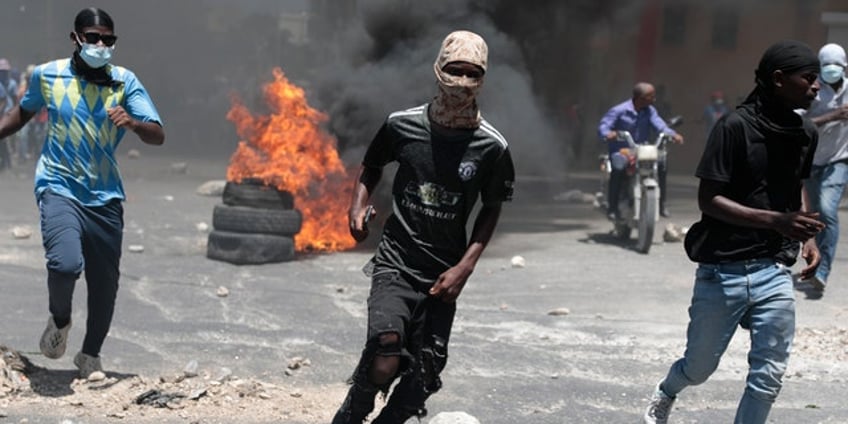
point(640, 195)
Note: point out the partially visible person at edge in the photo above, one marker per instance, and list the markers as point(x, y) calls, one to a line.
point(77, 183)
point(31, 134)
point(8, 89)
point(448, 156)
point(753, 225)
point(5, 155)
point(829, 174)
point(714, 110)
point(637, 116)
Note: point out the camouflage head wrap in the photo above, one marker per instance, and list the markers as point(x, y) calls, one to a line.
point(455, 105)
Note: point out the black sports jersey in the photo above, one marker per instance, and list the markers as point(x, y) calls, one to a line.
point(438, 181)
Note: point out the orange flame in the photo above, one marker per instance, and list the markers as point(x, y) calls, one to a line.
point(288, 150)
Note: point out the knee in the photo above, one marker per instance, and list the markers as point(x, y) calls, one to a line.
point(386, 360)
point(697, 373)
point(764, 392)
point(65, 269)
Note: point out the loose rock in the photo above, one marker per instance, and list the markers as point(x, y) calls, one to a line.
point(559, 312)
point(21, 232)
point(135, 248)
point(212, 188)
point(674, 233)
point(96, 376)
point(518, 262)
point(222, 291)
point(190, 369)
point(454, 418)
point(298, 362)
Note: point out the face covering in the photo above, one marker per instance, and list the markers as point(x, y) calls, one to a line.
point(95, 56)
point(832, 73)
point(455, 106)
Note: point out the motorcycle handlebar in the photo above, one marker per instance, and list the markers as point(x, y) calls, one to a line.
point(661, 140)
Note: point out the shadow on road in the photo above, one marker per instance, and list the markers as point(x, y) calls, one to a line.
point(609, 238)
point(806, 288)
point(58, 383)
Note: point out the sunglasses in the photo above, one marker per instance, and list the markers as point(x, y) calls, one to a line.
point(93, 37)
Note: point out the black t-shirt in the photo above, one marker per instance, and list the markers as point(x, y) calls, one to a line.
point(762, 165)
point(439, 178)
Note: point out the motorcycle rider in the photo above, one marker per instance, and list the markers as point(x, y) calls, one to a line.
point(637, 116)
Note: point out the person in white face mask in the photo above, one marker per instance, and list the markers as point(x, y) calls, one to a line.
point(829, 174)
point(91, 105)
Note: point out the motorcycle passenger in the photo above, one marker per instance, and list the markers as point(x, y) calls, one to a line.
point(638, 117)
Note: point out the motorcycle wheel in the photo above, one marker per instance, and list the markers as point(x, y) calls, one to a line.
point(647, 219)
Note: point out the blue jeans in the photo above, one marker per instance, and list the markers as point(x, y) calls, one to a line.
point(81, 239)
point(825, 187)
point(756, 295)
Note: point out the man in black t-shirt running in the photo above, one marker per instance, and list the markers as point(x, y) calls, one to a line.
point(753, 224)
point(447, 157)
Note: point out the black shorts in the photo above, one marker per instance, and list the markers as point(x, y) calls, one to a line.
point(401, 305)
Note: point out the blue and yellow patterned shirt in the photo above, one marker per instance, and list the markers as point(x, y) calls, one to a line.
point(78, 157)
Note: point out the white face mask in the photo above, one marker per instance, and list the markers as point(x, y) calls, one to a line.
point(95, 56)
point(832, 73)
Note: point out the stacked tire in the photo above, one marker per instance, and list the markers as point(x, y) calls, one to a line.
point(256, 224)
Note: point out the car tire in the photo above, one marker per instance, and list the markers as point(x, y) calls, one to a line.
point(253, 193)
point(249, 249)
point(242, 219)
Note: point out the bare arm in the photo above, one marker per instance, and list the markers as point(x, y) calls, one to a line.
point(451, 282)
point(837, 114)
point(13, 121)
point(366, 180)
point(148, 132)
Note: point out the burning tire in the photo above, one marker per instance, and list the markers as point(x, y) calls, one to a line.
point(249, 249)
point(253, 193)
point(241, 219)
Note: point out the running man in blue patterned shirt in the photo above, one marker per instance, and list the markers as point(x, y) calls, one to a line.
point(91, 104)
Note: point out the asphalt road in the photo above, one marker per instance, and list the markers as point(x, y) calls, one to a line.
point(510, 361)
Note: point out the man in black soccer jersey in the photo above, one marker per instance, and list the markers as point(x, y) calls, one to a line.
point(448, 156)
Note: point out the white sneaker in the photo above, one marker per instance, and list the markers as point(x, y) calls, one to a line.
point(659, 408)
point(89, 366)
point(54, 340)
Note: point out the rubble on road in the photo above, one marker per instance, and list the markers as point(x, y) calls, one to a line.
point(13, 369)
point(192, 395)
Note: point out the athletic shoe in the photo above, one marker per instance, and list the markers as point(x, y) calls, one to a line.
point(89, 366)
point(54, 340)
point(659, 408)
